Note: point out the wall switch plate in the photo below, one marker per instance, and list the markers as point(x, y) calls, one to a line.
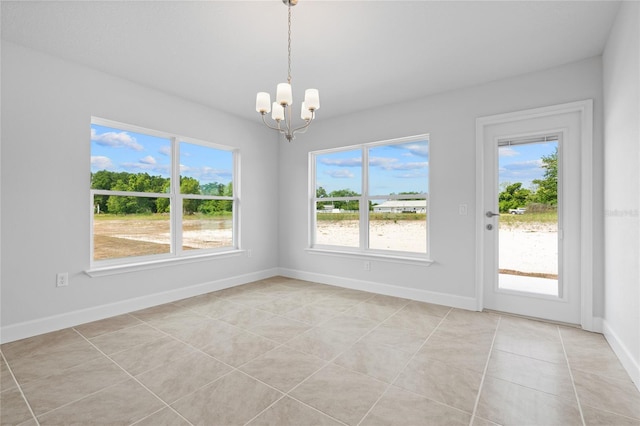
point(462, 209)
point(62, 279)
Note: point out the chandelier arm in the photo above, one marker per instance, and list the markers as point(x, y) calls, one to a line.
point(307, 124)
point(270, 126)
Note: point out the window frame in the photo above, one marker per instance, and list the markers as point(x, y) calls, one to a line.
point(176, 198)
point(363, 250)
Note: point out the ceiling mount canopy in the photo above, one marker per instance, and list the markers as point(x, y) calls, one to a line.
point(281, 108)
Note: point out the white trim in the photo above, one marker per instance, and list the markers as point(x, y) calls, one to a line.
point(31, 328)
point(368, 255)
point(468, 303)
point(154, 263)
point(623, 353)
point(585, 108)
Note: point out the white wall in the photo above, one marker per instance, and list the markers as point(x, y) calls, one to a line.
point(449, 118)
point(621, 71)
point(47, 104)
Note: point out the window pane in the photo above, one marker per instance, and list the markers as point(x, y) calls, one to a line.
point(399, 168)
point(129, 161)
point(211, 227)
point(205, 170)
point(338, 223)
point(339, 174)
point(399, 225)
point(136, 231)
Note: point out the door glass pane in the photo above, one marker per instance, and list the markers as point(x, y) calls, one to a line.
point(528, 204)
point(338, 223)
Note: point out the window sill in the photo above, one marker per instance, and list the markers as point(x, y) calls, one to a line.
point(421, 261)
point(153, 264)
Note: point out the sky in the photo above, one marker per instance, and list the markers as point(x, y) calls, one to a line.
point(393, 169)
point(124, 151)
point(523, 163)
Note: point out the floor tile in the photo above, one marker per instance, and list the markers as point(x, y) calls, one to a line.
point(72, 384)
point(176, 323)
point(232, 400)
point(336, 302)
point(313, 314)
point(283, 368)
point(6, 379)
point(157, 312)
point(121, 404)
point(375, 360)
point(288, 412)
point(52, 360)
point(323, 343)
point(326, 391)
point(377, 310)
point(254, 299)
point(280, 329)
point(400, 338)
point(595, 417)
point(608, 394)
point(347, 324)
point(206, 333)
point(511, 404)
point(549, 377)
point(521, 343)
point(183, 376)
point(13, 408)
point(595, 356)
point(126, 338)
point(44, 343)
point(451, 385)
point(247, 317)
point(151, 355)
point(218, 308)
point(107, 325)
point(455, 352)
point(164, 417)
point(279, 306)
point(398, 406)
point(239, 348)
point(413, 317)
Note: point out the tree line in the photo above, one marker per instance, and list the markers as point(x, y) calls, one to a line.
point(349, 205)
point(545, 194)
point(143, 182)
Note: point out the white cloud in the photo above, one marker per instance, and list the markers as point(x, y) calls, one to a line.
point(116, 140)
point(339, 174)
point(148, 160)
point(418, 149)
point(165, 150)
point(342, 162)
point(389, 163)
point(507, 151)
point(100, 162)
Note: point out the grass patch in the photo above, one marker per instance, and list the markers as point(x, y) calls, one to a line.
point(528, 218)
point(372, 216)
point(159, 216)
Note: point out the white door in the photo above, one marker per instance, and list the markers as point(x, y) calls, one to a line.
point(530, 238)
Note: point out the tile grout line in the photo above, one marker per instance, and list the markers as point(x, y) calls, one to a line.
point(24, 398)
point(137, 381)
point(404, 367)
point(573, 383)
point(484, 372)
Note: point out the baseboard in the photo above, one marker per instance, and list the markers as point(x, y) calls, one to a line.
point(622, 352)
point(38, 326)
point(468, 303)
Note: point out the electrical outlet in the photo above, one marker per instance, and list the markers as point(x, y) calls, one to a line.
point(249, 253)
point(462, 209)
point(62, 279)
point(367, 265)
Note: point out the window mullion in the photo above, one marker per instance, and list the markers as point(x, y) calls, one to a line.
point(176, 199)
point(364, 204)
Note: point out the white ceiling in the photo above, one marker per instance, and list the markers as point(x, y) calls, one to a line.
point(359, 54)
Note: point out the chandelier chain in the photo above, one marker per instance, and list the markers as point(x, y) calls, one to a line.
point(289, 48)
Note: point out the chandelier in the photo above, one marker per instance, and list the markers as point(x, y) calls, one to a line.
point(281, 108)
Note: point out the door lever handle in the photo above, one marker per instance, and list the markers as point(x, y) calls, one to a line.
point(491, 214)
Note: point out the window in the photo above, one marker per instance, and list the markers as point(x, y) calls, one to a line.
point(156, 195)
point(372, 198)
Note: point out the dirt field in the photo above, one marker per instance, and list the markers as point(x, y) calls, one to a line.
point(139, 237)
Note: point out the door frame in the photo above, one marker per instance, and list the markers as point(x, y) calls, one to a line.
point(587, 259)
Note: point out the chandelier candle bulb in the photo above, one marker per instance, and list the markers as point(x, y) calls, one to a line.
point(278, 112)
point(305, 113)
point(283, 94)
point(263, 102)
point(312, 99)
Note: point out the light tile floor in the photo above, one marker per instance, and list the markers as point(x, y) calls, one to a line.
point(287, 352)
